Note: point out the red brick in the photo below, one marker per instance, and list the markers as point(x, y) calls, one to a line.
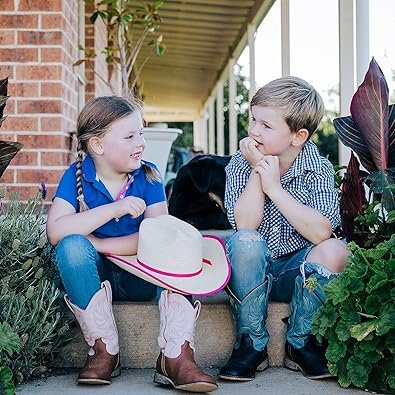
point(39, 175)
point(23, 158)
point(39, 106)
point(51, 89)
point(39, 38)
point(38, 72)
point(52, 21)
point(8, 176)
point(7, 5)
point(40, 5)
point(28, 124)
point(6, 71)
point(51, 55)
point(56, 158)
point(14, 21)
point(24, 89)
point(53, 124)
point(44, 141)
point(26, 192)
point(7, 136)
point(7, 37)
point(19, 54)
point(10, 107)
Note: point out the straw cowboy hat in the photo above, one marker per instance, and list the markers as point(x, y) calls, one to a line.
point(174, 255)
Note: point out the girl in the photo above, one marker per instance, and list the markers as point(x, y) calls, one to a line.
point(98, 207)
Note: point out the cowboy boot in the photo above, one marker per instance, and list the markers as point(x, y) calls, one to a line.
point(175, 365)
point(302, 350)
point(250, 350)
point(100, 332)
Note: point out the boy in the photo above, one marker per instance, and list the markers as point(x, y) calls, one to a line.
point(281, 200)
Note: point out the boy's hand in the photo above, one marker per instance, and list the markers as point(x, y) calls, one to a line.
point(129, 205)
point(269, 170)
point(248, 148)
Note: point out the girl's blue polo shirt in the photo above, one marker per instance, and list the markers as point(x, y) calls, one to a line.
point(96, 194)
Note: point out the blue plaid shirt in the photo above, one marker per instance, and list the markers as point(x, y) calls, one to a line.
point(310, 180)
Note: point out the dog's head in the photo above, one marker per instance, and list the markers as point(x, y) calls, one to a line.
point(198, 193)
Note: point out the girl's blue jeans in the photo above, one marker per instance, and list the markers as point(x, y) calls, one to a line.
point(82, 269)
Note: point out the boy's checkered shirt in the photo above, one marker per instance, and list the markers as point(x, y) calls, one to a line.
point(310, 180)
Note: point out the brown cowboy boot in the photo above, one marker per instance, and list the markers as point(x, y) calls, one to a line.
point(100, 332)
point(176, 365)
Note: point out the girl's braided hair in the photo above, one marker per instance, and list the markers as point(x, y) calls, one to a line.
point(95, 120)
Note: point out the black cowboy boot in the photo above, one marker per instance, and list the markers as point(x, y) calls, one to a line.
point(310, 359)
point(244, 362)
point(302, 350)
point(250, 317)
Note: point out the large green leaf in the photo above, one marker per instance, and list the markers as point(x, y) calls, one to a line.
point(8, 149)
point(351, 137)
point(9, 340)
point(369, 110)
point(381, 181)
point(6, 385)
point(391, 136)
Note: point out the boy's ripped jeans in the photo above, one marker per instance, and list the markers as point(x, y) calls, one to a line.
point(82, 270)
point(251, 263)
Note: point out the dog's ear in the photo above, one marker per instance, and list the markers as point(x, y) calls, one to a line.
point(201, 171)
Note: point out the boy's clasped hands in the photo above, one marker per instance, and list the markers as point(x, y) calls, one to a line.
point(267, 166)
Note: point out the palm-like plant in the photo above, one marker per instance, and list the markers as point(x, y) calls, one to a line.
point(8, 149)
point(370, 133)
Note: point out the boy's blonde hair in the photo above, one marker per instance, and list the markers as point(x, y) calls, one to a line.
point(301, 105)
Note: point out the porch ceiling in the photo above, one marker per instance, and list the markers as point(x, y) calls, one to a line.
point(200, 38)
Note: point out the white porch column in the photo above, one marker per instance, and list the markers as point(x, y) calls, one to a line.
point(203, 130)
point(220, 119)
point(362, 39)
point(197, 142)
point(251, 45)
point(353, 56)
point(285, 39)
point(232, 109)
point(211, 126)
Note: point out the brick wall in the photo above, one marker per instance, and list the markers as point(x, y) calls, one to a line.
point(38, 45)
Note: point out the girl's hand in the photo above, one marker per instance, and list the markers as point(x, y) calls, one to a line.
point(129, 205)
point(248, 148)
point(269, 170)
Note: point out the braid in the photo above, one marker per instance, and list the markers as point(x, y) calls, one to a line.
point(151, 174)
point(78, 174)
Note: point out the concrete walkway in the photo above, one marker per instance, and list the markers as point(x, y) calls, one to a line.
point(139, 382)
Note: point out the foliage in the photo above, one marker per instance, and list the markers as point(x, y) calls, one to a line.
point(9, 343)
point(359, 319)
point(29, 300)
point(8, 149)
point(370, 133)
point(326, 139)
point(129, 27)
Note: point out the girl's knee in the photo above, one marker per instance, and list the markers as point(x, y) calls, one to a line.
point(73, 250)
point(331, 253)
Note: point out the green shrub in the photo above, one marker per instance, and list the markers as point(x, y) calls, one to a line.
point(29, 299)
point(359, 319)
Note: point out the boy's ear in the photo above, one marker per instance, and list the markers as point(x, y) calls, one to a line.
point(300, 137)
point(95, 145)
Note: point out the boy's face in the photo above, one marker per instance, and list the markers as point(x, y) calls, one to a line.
point(269, 129)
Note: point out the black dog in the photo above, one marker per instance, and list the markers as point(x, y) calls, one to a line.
point(198, 192)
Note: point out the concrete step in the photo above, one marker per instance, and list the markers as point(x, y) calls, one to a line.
point(138, 326)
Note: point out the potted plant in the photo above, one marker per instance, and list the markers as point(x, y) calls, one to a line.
point(129, 28)
point(358, 319)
